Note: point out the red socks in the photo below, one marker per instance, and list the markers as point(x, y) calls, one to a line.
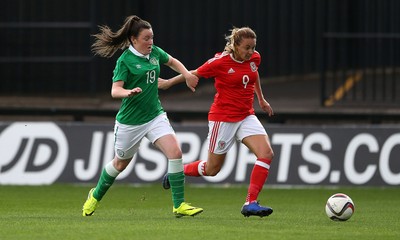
point(257, 179)
point(192, 169)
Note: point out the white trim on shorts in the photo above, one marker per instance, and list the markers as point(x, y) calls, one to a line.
point(222, 135)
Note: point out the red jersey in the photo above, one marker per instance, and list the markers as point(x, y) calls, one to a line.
point(234, 82)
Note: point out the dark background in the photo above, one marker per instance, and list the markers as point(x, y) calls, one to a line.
point(46, 44)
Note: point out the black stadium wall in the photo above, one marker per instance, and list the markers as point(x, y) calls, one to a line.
point(46, 43)
point(40, 153)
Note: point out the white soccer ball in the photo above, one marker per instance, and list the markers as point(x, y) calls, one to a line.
point(339, 207)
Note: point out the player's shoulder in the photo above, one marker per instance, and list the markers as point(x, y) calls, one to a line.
point(156, 50)
point(256, 54)
point(256, 57)
point(220, 56)
point(126, 54)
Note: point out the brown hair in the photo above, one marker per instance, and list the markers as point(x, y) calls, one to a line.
point(108, 42)
point(236, 37)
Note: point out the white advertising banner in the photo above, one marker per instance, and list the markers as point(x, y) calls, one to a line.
point(37, 153)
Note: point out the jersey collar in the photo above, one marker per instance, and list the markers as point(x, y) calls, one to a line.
point(231, 54)
point(134, 51)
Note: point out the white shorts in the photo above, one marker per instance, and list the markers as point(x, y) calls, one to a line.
point(127, 138)
point(222, 135)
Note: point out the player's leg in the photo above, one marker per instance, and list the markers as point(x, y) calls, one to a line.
point(257, 144)
point(127, 141)
point(199, 168)
point(253, 135)
point(107, 178)
point(221, 136)
point(210, 167)
point(163, 137)
point(260, 146)
point(168, 144)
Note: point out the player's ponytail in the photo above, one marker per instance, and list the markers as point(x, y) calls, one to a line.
point(108, 42)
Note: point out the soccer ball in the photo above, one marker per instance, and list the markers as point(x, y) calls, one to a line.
point(339, 207)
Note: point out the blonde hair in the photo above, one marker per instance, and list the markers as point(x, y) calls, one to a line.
point(236, 37)
point(108, 42)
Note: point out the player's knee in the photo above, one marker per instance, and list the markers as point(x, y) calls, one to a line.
point(177, 155)
point(174, 153)
point(269, 154)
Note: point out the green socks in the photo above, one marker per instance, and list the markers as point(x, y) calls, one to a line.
point(175, 176)
point(177, 181)
point(107, 178)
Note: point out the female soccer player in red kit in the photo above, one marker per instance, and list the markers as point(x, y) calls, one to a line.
point(232, 116)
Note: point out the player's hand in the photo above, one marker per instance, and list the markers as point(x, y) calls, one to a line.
point(133, 92)
point(266, 107)
point(192, 81)
point(163, 84)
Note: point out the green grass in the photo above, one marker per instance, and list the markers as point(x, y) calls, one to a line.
point(145, 212)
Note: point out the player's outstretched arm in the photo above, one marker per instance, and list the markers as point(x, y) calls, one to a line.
point(177, 66)
point(164, 84)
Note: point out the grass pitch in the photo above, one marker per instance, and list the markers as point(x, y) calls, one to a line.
point(145, 212)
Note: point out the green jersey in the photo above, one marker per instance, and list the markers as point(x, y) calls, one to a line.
point(139, 71)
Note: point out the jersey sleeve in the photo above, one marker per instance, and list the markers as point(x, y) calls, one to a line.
point(207, 70)
point(257, 58)
point(163, 56)
point(120, 71)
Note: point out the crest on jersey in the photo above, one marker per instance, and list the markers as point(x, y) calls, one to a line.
point(153, 61)
point(253, 67)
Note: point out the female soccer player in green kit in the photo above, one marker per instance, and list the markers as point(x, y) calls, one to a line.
point(141, 115)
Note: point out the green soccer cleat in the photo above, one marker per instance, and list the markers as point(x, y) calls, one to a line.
point(186, 210)
point(90, 205)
